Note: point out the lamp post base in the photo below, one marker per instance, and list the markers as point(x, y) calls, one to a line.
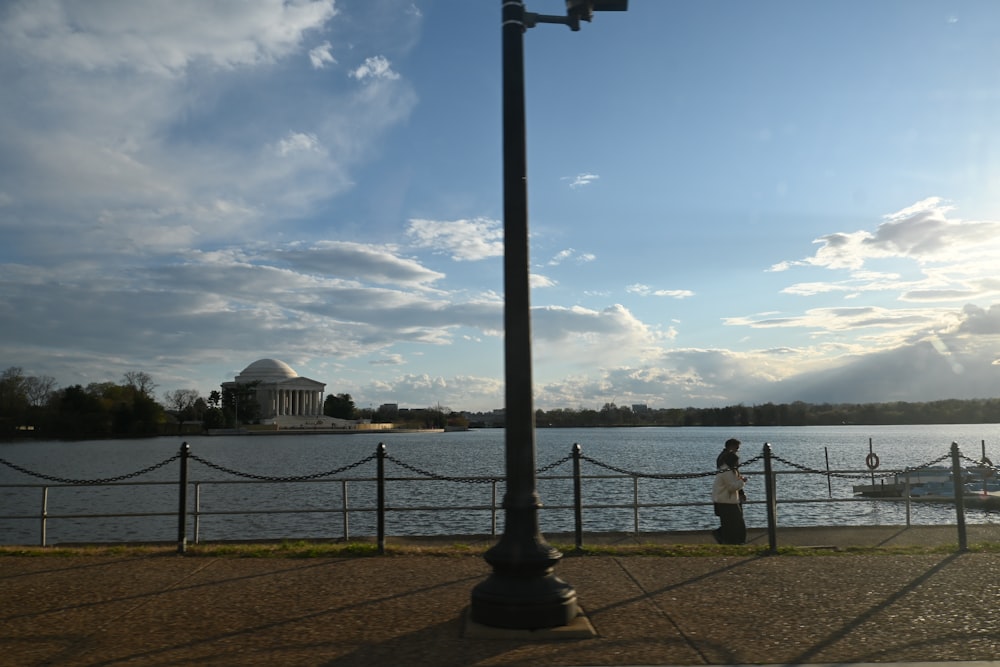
point(516, 601)
point(523, 592)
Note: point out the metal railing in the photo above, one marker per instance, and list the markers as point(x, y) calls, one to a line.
point(196, 513)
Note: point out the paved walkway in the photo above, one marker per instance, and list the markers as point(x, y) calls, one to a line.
point(410, 610)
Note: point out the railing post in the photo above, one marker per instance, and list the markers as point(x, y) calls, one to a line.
point(197, 512)
point(829, 479)
point(493, 508)
point(906, 493)
point(577, 496)
point(772, 500)
point(380, 530)
point(45, 515)
point(182, 500)
point(343, 503)
point(958, 483)
point(635, 505)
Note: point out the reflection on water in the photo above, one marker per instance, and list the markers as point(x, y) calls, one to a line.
point(467, 454)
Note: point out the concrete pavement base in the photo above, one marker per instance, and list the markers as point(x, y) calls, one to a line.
point(579, 628)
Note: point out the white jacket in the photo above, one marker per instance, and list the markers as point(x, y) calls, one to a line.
point(726, 487)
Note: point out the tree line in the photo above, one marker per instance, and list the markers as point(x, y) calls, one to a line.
point(34, 407)
point(950, 411)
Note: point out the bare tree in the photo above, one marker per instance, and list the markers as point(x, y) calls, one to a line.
point(140, 381)
point(180, 400)
point(38, 389)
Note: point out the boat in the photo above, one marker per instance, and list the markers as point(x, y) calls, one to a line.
point(895, 487)
point(880, 490)
point(980, 490)
point(942, 489)
point(932, 481)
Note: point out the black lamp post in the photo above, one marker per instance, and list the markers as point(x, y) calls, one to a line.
point(523, 591)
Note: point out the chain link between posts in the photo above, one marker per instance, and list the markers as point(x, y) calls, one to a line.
point(85, 482)
point(466, 479)
point(441, 478)
point(286, 478)
point(653, 475)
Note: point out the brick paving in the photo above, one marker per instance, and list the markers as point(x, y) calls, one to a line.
point(164, 609)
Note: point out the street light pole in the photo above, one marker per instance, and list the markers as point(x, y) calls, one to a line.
point(523, 591)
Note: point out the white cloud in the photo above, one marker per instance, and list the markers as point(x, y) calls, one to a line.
point(147, 121)
point(376, 67)
point(464, 240)
point(921, 255)
point(571, 253)
point(299, 141)
point(578, 336)
point(538, 281)
point(388, 360)
point(139, 35)
point(323, 301)
point(580, 180)
point(422, 390)
point(675, 378)
point(922, 233)
point(561, 256)
point(907, 321)
point(354, 261)
point(646, 290)
point(321, 56)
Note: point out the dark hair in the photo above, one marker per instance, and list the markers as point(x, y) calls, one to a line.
point(727, 459)
point(732, 460)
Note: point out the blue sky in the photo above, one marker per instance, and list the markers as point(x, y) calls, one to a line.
point(730, 202)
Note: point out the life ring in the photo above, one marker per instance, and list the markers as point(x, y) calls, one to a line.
point(872, 461)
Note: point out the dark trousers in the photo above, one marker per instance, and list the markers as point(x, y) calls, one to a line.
point(733, 529)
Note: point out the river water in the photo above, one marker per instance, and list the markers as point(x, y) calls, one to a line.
point(222, 496)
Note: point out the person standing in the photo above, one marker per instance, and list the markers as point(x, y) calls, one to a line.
point(727, 496)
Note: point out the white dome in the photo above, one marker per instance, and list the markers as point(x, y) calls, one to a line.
point(267, 370)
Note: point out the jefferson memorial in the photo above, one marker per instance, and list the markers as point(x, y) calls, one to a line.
point(280, 391)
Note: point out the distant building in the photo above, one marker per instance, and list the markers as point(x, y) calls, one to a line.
point(280, 391)
point(640, 407)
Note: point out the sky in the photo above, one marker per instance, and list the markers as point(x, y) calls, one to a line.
point(730, 201)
